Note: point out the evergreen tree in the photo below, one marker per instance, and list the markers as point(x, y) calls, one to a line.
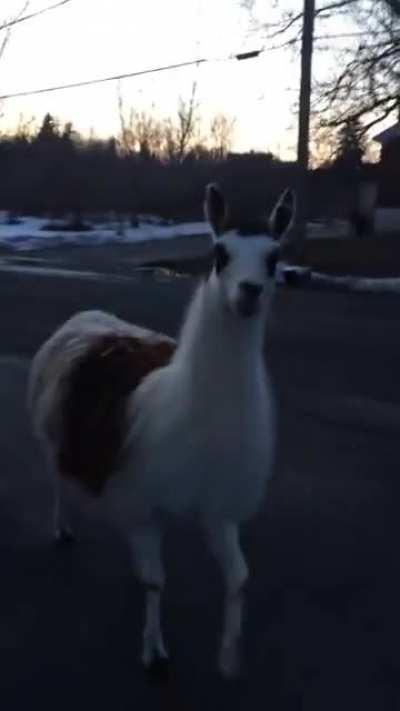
point(49, 129)
point(350, 145)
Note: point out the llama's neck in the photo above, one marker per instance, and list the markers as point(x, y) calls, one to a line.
point(215, 341)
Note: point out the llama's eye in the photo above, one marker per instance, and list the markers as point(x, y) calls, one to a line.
point(271, 262)
point(221, 256)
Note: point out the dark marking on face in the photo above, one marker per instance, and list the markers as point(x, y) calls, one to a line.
point(93, 410)
point(271, 262)
point(221, 257)
point(215, 209)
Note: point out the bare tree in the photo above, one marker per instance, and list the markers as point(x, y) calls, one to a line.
point(169, 138)
point(322, 145)
point(25, 128)
point(148, 134)
point(187, 124)
point(221, 134)
point(173, 138)
point(126, 137)
point(140, 132)
point(367, 87)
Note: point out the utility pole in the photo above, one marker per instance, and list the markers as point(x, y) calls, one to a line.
point(303, 143)
point(305, 84)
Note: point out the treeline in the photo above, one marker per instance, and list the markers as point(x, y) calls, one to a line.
point(154, 168)
point(54, 171)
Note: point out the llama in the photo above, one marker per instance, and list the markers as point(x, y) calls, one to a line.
point(153, 428)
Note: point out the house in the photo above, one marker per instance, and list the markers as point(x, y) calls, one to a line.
point(389, 140)
point(387, 216)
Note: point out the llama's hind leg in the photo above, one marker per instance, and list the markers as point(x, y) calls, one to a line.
point(223, 541)
point(146, 548)
point(61, 530)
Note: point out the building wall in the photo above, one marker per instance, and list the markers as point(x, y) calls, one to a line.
point(389, 182)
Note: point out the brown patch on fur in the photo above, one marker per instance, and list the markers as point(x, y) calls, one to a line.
point(93, 411)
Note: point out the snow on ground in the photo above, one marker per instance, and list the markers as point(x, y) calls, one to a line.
point(51, 272)
point(350, 283)
point(29, 233)
point(387, 220)
point(303, 276)
point(326, 229)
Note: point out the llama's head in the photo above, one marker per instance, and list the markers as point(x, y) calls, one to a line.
point(244, 266)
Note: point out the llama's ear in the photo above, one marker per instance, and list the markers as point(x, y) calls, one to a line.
point(283, 215)
point(215, 209)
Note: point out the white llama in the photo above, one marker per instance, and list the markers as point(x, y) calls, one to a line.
point(153, 428)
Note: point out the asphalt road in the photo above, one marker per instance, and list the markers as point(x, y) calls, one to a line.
point(323, 619)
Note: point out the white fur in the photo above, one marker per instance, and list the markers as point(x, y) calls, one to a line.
point(201, 434)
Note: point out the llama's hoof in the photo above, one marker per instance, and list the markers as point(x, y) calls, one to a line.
point(64, 537)
point(230, 662)
point(159, 668)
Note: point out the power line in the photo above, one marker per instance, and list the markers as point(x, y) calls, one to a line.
point(169, 67)
point(339, 35)
point(17, 20)
point(319, 38)
point(102, 80)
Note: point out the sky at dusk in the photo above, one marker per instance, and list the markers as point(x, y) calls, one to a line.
point(88, 39)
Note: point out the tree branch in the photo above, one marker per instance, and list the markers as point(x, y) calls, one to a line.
point(394, 6)
point(22, 18)
point(8, 26)
point(292, 19)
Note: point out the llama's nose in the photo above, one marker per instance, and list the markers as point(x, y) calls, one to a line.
point(251, 289)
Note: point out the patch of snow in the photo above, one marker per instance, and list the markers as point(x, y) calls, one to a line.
point(58, 272)
point(361, 284)
point(378, 286)
point(387, 219)
point(325, 229)
point(298, 276)
point(29, 235)
point(154, 220)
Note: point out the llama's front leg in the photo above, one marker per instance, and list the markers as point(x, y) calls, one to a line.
point(62, 532)
point(223, 541)
point(146, 548)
